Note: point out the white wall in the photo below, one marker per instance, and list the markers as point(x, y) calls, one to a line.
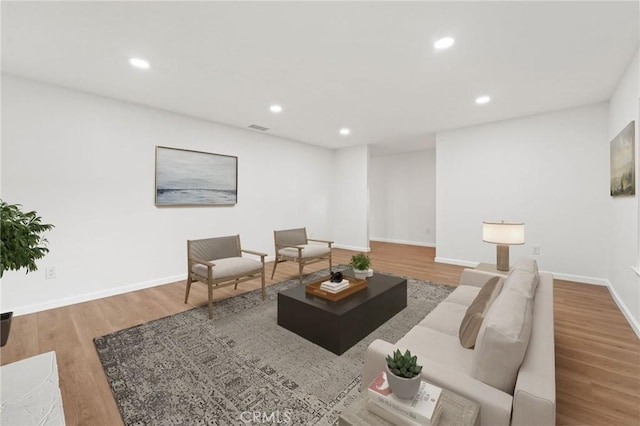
point(623, 217)
point(86, 164)
point(350, 200)
point(403, 198)
point(549, 171)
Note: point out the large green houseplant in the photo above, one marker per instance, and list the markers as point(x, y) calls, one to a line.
point(22, 238)
point(22, 243)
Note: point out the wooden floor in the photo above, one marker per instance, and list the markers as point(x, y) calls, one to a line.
point(597, 353)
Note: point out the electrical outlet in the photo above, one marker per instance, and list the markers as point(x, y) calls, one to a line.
point(50, 272)
point(536, 250)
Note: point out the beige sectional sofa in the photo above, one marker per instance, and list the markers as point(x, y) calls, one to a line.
point(511, 370)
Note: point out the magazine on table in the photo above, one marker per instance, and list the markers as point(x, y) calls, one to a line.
point(399, 419)
point(334, 287)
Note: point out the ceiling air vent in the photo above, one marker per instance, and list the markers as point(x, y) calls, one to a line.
point(256, 127)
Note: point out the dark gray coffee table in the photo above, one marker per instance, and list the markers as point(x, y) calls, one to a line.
point(337, 326)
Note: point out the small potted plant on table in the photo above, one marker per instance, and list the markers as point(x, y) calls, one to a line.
point(403, 374)
point(22, 243)
point(360, 264)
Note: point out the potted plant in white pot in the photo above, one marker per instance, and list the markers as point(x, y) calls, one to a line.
point(21, 244)
point(360, 264)
point(403, 374)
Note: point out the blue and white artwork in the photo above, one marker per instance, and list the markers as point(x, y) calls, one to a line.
point(186, 177)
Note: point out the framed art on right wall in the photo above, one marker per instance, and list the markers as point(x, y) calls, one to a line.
point(623, 162)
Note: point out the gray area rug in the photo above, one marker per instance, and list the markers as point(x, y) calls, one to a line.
point(241, 367)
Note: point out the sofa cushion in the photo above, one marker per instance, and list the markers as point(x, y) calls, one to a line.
point(527, 264)
point(524, 277)
point(463, 295)
point(476, 312)
point(502, 340)
point(439, 347)
point(445, 318)
point(229, 267)
point(308, 251)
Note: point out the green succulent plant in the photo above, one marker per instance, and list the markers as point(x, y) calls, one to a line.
point(360, 261)
point(403, 365)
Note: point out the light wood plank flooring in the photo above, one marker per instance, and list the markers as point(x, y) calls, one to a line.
point(597, 353)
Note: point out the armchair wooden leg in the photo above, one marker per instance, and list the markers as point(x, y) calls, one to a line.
point(264, 294)
point(300, 266)
point(330, 266)
point(210, 287)
point(275, 263)
point(186, 296)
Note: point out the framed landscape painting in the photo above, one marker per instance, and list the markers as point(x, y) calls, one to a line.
point(194, 178)
point(623, 164)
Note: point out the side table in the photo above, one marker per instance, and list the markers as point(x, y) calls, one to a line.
point(491, 267)
point(456, 411)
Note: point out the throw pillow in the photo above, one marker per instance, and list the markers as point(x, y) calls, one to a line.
point(470, 325)
point(524, 277)
point(503, 340)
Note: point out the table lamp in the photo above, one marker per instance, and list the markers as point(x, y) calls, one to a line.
point(503, 234)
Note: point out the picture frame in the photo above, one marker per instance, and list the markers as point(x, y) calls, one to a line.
point(623, 163)
point(195, 178)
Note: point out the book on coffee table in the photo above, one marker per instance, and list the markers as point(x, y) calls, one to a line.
point(398, 419)
point(334, 287)
point(423, 409)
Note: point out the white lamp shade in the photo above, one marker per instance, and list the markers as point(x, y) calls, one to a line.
point(503, 232)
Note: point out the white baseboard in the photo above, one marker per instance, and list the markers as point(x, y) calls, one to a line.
point(52, 304)
point(410, 243)
point(580, 279)
point(458, 262)
point(635, 325)
point(354, 248)
point(58, 303)
point(566, 277)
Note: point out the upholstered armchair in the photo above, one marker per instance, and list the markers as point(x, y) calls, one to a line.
point(293, 245)
point(218, 262)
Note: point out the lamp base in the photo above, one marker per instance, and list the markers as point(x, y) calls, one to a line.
point(502, 260)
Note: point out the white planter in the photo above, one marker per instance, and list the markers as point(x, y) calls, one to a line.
point(369, 273)
point(361, 275)
point(402, 387)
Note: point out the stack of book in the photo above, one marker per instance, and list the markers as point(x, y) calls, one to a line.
point(424, 409)
point(331, 287)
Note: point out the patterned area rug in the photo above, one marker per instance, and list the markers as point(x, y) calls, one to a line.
point(241, 367)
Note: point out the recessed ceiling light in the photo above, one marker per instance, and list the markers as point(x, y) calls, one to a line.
point(483, 100)
point(275, 108)
point(139, 63)
point(444, 43)
point(344, 131)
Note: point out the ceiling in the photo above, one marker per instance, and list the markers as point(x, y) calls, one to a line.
point(369, 66)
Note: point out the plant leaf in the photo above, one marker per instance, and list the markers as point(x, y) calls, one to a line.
point(21, 240)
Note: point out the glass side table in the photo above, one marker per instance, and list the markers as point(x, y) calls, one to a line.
point(456, 411)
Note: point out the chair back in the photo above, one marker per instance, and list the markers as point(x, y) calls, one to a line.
point(215, 248)
point(290, 237)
